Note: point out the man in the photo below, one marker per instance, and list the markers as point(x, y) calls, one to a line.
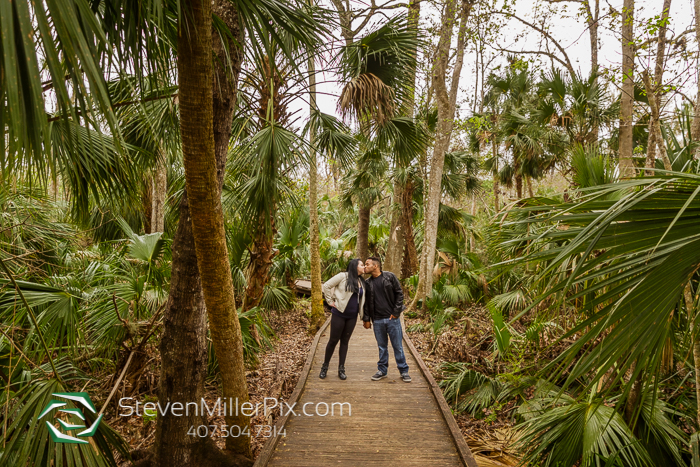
point(385, 307)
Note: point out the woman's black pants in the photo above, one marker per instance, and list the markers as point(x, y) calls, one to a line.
point(341, 330)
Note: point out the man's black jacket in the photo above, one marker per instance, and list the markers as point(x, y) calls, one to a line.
point(393, 291)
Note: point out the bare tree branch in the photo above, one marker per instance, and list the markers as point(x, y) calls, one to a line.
point(566, 62)
point(536, 52)
point(671, 41)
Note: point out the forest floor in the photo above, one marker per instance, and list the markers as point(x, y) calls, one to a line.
point(277, 370)
point(275, 375)
point(490, 437)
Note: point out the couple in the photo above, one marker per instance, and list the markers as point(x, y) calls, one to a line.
point(379, 299)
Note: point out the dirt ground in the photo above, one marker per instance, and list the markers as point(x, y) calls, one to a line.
point(275, 375)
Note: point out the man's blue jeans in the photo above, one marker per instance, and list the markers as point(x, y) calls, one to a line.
point(390, 328)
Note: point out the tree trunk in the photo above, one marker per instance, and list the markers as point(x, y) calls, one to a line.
point(691, 311)
point(696, 364)
point(592, 20)
point(657, 139)
point(202, 170)
point(592, 17)
point(446, 110)
point(183, 345)
point(410, 257)
point(158, 196)
point(471, 240)
point(654, 93)
point(261, 256)
point(398, 233)
point(317, 314)
point(695, 131)
point(519, 186)
point(627, 98)
point(183, 352)
point(495, 175)
point(650, 162)
point(147, 204)
point(362, 245)
point(394, 249)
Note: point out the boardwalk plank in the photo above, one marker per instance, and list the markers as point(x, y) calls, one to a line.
point(391, 421)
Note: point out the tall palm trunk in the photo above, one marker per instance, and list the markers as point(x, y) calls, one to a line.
point(362, 246)
point(261, 256)
point(183, 344)
point(410, 256)
point(627, 98)
point(183, 352)
point(196, 76)
point(592, 17)
point(394, 249)
point(147, 204)
point(401, 228)
point(317, 314)
point(160, 190)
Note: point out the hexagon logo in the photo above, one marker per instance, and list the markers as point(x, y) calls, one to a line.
point(59, 436)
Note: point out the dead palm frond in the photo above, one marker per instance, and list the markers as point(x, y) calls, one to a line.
point(377, 70)
point(366, 97)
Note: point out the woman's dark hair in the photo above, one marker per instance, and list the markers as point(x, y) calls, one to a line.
point(351, 284)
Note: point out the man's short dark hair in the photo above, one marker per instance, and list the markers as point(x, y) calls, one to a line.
point(377, 261)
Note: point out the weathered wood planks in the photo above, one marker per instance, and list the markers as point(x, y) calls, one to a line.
point(391, 422)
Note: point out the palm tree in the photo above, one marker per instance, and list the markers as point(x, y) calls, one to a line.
point(532, 147)
point(625, 255)
point(579, 106)
point(378, 72)
point(627, 95)
point(327, 135)
point(263, 22)
point(374, 70)
point(317, 313)
point(76, 42)
point(266, 160)
point(364, 188)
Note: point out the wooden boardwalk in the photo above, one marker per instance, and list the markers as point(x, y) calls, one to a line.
point(392, 423)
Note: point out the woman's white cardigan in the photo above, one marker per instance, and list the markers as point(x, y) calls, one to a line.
point(334, 291)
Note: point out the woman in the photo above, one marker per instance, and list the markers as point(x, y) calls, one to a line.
point(345, 293)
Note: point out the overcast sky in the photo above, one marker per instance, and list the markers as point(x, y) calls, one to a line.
point(568, 29)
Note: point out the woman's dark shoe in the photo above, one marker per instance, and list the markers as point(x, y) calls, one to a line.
point(324, 371)
point(341, 372)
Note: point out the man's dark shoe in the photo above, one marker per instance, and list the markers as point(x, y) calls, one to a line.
point(324, 371)
point(378, 375)
point(341, 372)
point(405, 378)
